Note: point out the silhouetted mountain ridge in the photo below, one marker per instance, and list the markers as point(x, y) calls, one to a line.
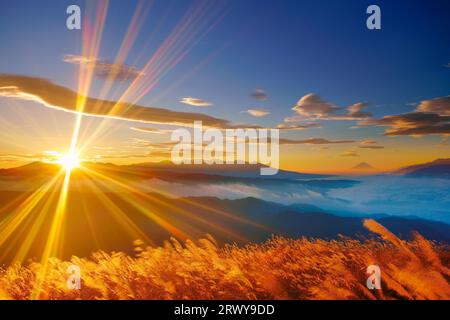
point(439, 168)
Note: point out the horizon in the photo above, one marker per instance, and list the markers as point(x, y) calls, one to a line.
point(351, 171)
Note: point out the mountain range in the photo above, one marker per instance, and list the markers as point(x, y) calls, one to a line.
point(91, 217)
point(439, 168)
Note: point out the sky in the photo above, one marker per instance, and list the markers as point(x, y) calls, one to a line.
point(342, 94)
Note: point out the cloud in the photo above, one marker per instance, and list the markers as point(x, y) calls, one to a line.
point(283, 126)
point(369, 144)
point(371, 147)
point(414, 123)
point(431, 117)
point(104, 69)
point(440, 106)
point(150, 130)
point(354, 112)
point(350, 154)
point(45, 156)
point(259, 95)
point(313, 141)
point(169, 144)
point(57, 97)
point(311, 106)
point(294, 119)
point(196, 102)
point(257, 112)
point(74, 59)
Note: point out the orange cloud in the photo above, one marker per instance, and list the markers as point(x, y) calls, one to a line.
point(58, 97)
point(431, 117)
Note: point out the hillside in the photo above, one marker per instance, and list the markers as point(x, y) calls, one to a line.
point(280, 268)
point(439, 168)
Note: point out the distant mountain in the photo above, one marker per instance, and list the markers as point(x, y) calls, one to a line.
point(363, 166)
point(251, 171)
point(30, 170)
point(186, 174)
point(439, 168)
point(229, 170)
point(90, 220)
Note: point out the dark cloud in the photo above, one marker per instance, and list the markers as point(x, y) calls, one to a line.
point(259, 95)
point(431, 117)
point(414, 123)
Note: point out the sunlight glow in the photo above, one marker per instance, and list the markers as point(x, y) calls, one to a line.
point(69, 161)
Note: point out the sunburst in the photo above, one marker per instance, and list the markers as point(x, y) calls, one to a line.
point(69, 161)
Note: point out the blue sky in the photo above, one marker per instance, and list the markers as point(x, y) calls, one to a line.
point(287, 48)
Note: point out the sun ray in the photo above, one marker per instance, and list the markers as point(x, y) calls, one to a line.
point(9, 225)
point(152, 215)
point(69, 161)
point(52, 244)
point(118, 214)
point(171, 207)
point(195, 24)
point(35, 229)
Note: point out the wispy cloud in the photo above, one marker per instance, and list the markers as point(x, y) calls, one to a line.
point(44, 156)
point(196, 102)
point(104, 69)
point(369, 144)
point(371, 147)
point(150, 130)
point(259, 94)
point(350, 153)
point(257, 112)
point(284, 126)
point(313, 141)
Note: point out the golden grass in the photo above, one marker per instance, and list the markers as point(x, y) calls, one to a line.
point(278, 269)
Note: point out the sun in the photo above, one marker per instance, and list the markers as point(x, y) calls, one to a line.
point(69, 161)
